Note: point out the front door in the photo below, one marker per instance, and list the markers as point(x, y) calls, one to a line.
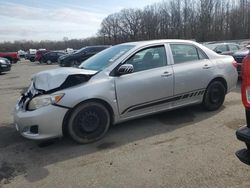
point(149, 87)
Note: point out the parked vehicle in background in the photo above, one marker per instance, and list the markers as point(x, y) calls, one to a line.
point(69, 50)
point(40, 53)
point(5, 65)
point(239, 56)
point(123, 82)
point(244, 44)
point(76, 58)
point(243, 133)
point(11, 56)
point(21, 53)
point(224, 48)
point(31, 54)
point(52, 57)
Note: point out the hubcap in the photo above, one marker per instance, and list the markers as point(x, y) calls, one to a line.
point(89, 122)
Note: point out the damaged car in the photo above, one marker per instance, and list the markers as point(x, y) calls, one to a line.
point(123, 82)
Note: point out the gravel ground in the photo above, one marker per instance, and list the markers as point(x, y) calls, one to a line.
point(183, 148)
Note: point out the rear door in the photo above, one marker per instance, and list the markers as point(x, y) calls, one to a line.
point(192, 71)
point(149, 87)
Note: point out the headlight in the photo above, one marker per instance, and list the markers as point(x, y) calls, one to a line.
point(44, 100)
point(3, 61)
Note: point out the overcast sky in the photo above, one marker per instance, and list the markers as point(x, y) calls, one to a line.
point(55, 19)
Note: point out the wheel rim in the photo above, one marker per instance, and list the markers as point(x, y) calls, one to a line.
point(216, 95)
point(89, 121)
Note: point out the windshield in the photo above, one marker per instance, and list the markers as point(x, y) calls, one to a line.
point(211, 46)
point(106, 57)
point(80, 50)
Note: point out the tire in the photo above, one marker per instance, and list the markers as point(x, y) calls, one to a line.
point(214, 96)
point(74, 63)
point(89, 122)
point(42, 61)
point(49, 62)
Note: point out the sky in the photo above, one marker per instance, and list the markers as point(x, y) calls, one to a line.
point(55, 19)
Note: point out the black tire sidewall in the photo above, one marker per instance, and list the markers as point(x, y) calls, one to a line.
point(97, 134)
point(74, 63)
point(207, 104)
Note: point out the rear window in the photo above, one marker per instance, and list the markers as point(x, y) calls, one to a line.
point(184, 53)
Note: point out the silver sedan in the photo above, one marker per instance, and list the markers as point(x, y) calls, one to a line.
point(123, 82)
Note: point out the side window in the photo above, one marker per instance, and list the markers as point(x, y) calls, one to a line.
point(201, 54)
point(221, 48)
point(184, 53)
point(233, 47)
point(148, 58)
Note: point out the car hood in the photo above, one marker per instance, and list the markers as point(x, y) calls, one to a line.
point(241, 53)
point(64, 56)
point(61, 78)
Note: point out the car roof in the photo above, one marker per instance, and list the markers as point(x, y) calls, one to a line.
point(96, 46)
point(210, 53)
point(160, 41)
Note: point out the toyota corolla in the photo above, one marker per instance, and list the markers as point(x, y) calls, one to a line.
point(123, 82)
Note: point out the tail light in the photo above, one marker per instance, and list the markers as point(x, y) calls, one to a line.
point(235, 64)
point(245, 87)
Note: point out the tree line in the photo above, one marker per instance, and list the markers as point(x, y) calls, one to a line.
point(200, 20)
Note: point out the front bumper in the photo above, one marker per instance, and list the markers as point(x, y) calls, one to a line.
point(5, 68)
point(48, 120)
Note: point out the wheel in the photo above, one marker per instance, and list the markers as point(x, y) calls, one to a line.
point(43, 61)
point(49, 62)
point(88, 122)
point(214, 96)
point(74, 63)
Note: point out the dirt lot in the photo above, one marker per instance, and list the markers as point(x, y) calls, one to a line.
point(183, 148)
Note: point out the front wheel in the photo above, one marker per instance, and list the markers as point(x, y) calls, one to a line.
point(88, 122)
point(214, 96)
point(49, 62)
point(74, 63)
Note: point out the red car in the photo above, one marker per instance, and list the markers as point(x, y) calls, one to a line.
point(13, 57)
point(39, 54)
point(243, 134)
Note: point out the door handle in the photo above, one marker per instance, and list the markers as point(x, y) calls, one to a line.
point(166, 74)
point(206, 66)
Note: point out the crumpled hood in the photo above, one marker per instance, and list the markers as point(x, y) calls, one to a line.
point(51, 79)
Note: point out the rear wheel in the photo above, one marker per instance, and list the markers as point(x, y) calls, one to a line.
point(88, 122)
point(214, 96)
point(49, 62)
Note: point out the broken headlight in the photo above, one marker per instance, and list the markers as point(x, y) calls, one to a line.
point(44, 100)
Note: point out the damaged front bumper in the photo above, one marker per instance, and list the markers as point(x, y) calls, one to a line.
point(40, 124)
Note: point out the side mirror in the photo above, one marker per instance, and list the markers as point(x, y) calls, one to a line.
point(125, 69)
point(218, 52)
